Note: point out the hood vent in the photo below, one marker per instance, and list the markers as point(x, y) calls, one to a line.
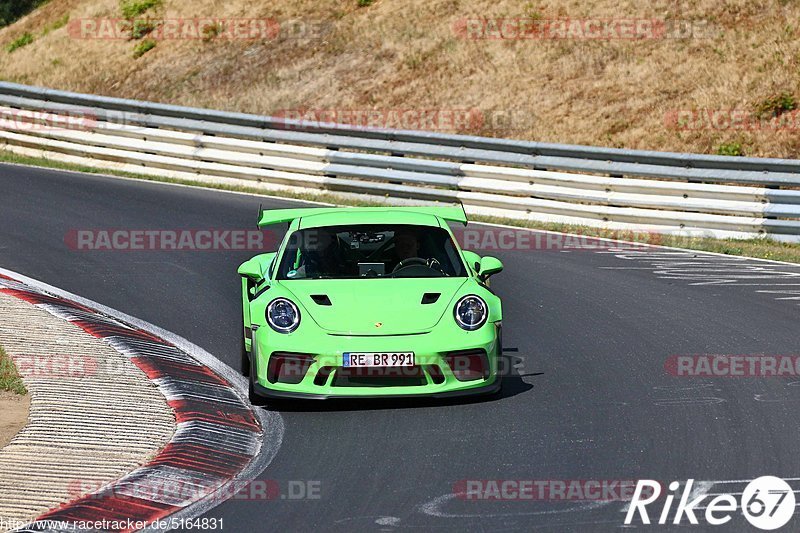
point(430, 297)
point(321, 299)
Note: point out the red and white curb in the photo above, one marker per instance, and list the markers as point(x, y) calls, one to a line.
point(221, 442)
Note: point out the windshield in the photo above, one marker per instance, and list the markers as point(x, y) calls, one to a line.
point(370, 251)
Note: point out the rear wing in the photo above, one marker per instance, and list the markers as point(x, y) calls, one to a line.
point(267, 217)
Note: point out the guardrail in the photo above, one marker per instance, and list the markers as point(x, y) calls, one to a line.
point(605, 187)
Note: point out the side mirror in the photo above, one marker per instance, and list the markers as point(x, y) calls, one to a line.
point(257, 268)
point(490, 266)
point(251, 269)
point(473, 260)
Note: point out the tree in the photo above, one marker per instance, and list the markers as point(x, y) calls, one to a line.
point(11, 10)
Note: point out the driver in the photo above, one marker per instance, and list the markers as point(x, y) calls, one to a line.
point(406, 245)
point(321, 256)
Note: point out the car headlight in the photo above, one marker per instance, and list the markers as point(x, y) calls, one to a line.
point(282, 315)
point(471, 312)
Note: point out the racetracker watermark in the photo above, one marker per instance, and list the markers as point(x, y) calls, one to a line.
point(59, 366)
point(212, 28)
point(730, 120)
point(429, 119)
point(395, 118)
point(601, 490)
point(491, 239)
point(247, 29)
point(176, 490)
point(25, 120)
point(175, 29)
point(171, 240)
point(582, 29)
point(733, 366)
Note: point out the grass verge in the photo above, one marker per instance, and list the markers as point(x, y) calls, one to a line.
point(9, 377)
point(759, 248)
point(143, 47)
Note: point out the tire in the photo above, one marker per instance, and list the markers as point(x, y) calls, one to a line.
point(245, 361)
point(504, 363)
point(254, 398)
point(499, 392)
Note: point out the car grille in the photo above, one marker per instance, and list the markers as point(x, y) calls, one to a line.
point(380, 377)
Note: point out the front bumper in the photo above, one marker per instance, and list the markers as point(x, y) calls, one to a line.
point(322, 380)
point(485, 390)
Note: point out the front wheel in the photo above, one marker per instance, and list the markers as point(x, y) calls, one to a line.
point(245, 361)
point(254, 398)
point(504, 364)
point(499, 392)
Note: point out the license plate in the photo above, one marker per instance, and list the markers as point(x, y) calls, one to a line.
point(369, 359)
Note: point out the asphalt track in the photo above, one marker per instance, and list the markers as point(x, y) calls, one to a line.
point(589, 397)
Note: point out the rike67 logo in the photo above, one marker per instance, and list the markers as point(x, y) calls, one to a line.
point(766, 502)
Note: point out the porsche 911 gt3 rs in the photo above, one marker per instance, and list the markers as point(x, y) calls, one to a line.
point(369, 301)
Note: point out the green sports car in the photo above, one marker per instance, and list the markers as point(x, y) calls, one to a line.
point(368, 302)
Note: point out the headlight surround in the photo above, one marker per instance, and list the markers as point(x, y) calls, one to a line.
point(471, 312)
point(283, 315)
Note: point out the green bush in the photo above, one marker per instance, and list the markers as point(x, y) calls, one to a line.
point(143, 47)
point(776, 106)
point(365, 3)
point(23, 40)
point(9, 377)
point(731, 148)
point(141, 27)
point(532, 12)
point(133, 8)
point(60, 23)
point(211, 32)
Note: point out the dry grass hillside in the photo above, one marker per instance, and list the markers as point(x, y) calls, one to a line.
point(742, 59)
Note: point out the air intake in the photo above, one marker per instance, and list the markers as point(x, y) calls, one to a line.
point(321, 299)
point(430, 297)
